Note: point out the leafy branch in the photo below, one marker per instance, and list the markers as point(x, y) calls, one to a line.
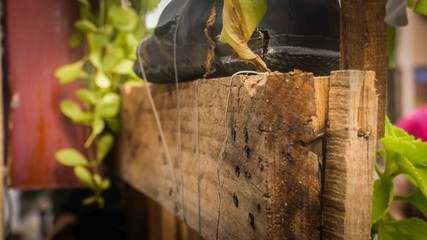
point(110, 32)
point(402, 154)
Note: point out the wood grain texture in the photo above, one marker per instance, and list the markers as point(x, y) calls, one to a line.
point(350, 156)
point(364, 45)
point(269, 184)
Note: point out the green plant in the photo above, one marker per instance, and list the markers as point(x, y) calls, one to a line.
point(402, 154)
point(405, 155)
point(419, 6)
point(111, 31)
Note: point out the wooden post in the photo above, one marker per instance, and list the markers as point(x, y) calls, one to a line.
point(364, 45)
point(350, 156)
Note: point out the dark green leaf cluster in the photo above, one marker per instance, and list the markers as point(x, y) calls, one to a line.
point(402, 154)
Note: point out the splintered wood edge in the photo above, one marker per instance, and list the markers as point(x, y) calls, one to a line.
point(350, 155)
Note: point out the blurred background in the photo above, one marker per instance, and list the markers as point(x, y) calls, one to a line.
point(33, 35)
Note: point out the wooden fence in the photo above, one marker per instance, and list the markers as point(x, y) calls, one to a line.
point(274, 156)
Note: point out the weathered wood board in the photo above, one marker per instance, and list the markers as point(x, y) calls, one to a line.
point(255, 172)
point(364, 45)
point(350, 156)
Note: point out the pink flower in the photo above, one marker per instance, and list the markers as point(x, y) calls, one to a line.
point(415, 123)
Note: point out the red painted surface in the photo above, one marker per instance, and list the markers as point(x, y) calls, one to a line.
point(37, 34)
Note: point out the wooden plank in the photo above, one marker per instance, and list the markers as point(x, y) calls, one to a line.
point(266, 185)
point(364, 45)
point(350, 155)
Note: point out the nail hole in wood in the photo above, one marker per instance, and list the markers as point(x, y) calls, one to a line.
point(260, 164)
point(235, 201)
point(251, 220)
point(248, 175)
point(290, 159)
point(237, 171)
point(248, 151)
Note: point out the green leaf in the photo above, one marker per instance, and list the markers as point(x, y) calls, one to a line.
point(75, 40)
point(385, 234)
point(410, 3)
point(105, 184)
point(107, 30)
point(240, 18)
point(85, 3)
point(101, 80)
point(86, 95)
point(124, 19)
point(96, 42)
point(104, 145)
point(132, 44)
point(124, 67)
point(405, 166)
point(85, 26)
point(398, 141)
point(414, 150)
point(112, 57)
point(74, 112)
point(84, 175)
point(97, 179)
point(98, 126)
point(132, 83)
point(417, 199)
point(407, 229)
point(152, 4)
point(69, 73)
point(422, 171)
point(389, 130)
point(421, 7)
point(400, 133)
point(382, 198)
point(70, 157)
point(95, 59)
point(110, 105)
point(113, 124)
point(89, 200)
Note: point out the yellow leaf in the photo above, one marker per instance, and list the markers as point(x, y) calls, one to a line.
point(240, 18)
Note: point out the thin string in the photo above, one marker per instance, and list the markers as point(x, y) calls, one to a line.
point(159, 124)
point(224, 144)
point(179, 113)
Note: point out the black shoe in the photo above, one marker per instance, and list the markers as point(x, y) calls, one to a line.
point(294, 34)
